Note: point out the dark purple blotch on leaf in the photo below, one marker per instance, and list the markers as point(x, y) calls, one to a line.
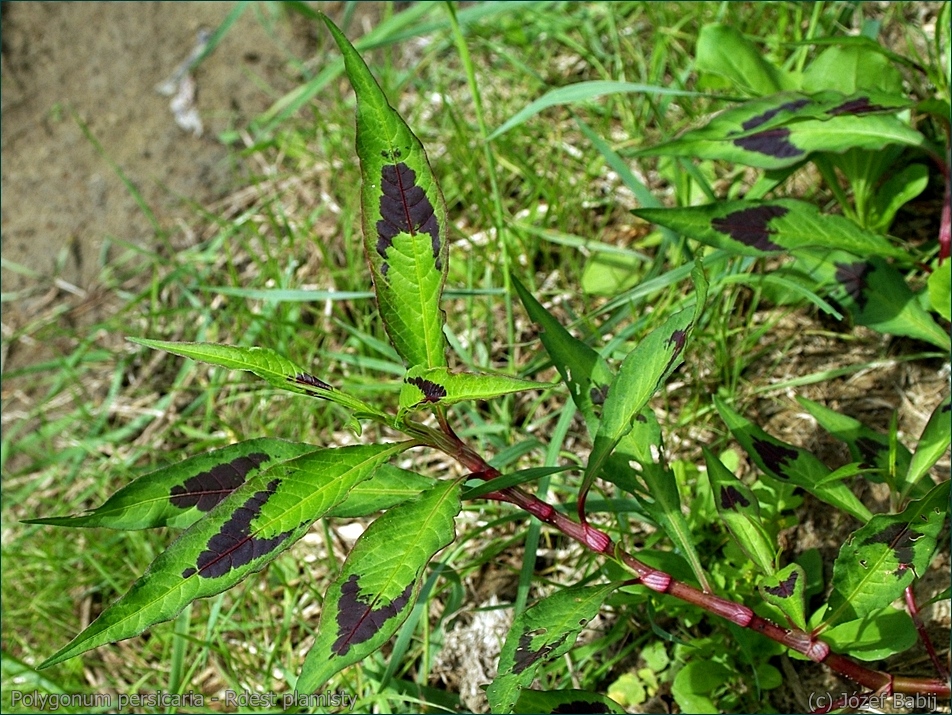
point(776, 457)
point(731, 498)
point(751, 226)
point(207, 489)
point(525, 656)
point(772, 142)
point(854, 278)
point(900, 539)
point(860, 105)
point(869, 450)
point(583, 707)
point(234, 546)
point(786, 588)
point(303, 378)
point(598, 394)
point(404, 208)
point(755, 122)
point(432, 392)
point(357, 620)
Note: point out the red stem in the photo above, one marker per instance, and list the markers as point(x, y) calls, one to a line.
point(923, 634)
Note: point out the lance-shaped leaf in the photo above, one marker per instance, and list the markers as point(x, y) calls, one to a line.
point(239, 536)
point(437, 385)
point(934, 442)
point(265, 363)
point(179, 495)
point(404, 220)
point(723, 50)
point(565, 701)
point(880, 560)
point(643, 371)
point(738, 507)
point(539, 634)
point(878, 635)
point(789, 464)
point(867, 446)
point(873, 291)
point(761, 228)
point(583, 370)
point(588, 376)
point(388, 487)
point(782, 130)
point(786, 590)
point(379, 582)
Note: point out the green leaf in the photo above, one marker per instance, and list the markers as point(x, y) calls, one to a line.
point(643, 371)
point(432, 386)
point(541, 633)
point(738, 507)
point(881, 559)
point(404, 220)
point(851, 69)
point(388, 487)
point(379, 582)
point(763, 228)
point(880, 634)
point(934, 442)
point(723, 51)
point(785, 129)
point(581, 92)
point(242, 534)
point(899, 189)
point(583, 370)
point(786, 590)
point(866, 445)
point(693, 683)
point(179, 495)
point(565, 701)
point(940, 290)
point(789, 464)
point(276, 369)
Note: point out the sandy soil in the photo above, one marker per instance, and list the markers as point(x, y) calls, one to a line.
point(98, 64)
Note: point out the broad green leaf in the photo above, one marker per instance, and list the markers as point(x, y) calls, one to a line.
point(789, 464)
point(738, 507)
point(934, 442)
point(785, 129)
point(239, 536)
point(761, 228)
point(179, 495)
point(437, 385)
point(541, 633)
point(379, 582)
point(874, 292)
point(879, 560)
point(786, 590)
point(388, 487)
point(898, 190)
point(940, 290)
point(404, 220)
point(265, 363)
point(583, 370)
point(866, 445)
point(880, 634)
point(851, 69)
point(695, 681)
point(643, 371)
point(581, 92)
point(723, 51)
point(565, 701)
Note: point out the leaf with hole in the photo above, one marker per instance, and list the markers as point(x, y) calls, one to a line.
point(881, 559)
point(542, 633)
